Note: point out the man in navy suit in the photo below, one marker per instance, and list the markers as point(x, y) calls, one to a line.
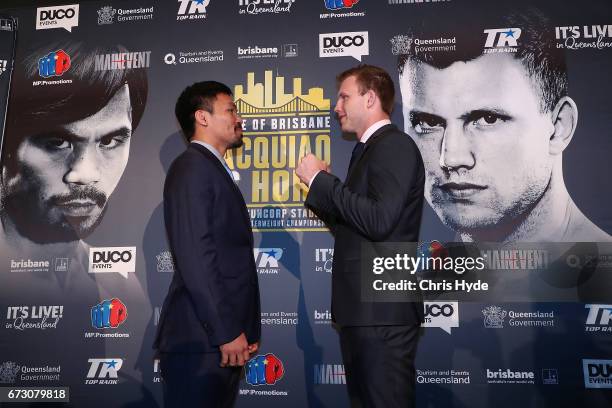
point(381, 200)
point(210, 320)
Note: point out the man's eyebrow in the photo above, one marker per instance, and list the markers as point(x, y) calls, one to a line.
point(427, 117)
point(479, 113)
point(65, 134)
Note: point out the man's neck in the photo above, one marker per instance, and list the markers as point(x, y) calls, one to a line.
point(220, 147)
point(372, 119)
point(12, 241)
point(554, 218)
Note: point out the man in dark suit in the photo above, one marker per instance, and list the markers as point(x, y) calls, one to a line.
point(210, 320)
point(380, 201)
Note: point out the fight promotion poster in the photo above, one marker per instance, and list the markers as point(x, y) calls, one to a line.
point(510, 108)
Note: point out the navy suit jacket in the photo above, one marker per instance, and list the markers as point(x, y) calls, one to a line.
point(214, 293)
point(380, 201)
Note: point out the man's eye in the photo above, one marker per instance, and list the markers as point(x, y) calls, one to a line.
point(487, 120)
point(57, 144)
point(109, 142)
point(422, 126)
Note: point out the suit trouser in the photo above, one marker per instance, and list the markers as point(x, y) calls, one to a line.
point(379, 365)
point(196, 380)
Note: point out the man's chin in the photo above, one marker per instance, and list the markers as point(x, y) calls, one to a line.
point(237, 143)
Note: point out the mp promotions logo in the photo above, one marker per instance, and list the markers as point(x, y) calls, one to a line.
point(54, 64)
point(57, 17)
point(599, 318)
point(264, 370)
point(494, 317)
point(103, 371)
point(192, 10)
point(444, 315)
point(597, 373)
point(108, 314)
point(121, 260)
point(353, 44)
point(502, 40)
point(8, 372)
point(279, 129)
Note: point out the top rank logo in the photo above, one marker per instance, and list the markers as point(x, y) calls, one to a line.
point(192, 9)
point(502, 40)
point(103, 370)
point(57, 17)
point(599, 318)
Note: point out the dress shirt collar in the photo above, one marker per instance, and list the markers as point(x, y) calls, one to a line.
point(212, 150)
point(370, 131)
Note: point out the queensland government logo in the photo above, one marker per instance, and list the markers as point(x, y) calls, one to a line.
point(279, 129)
point(165, 262)
point(8, 372)
point(192, 10)
point(494, 317)
point(106, 15)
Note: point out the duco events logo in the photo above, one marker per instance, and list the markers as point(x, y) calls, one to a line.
point(192, 10)
point(264, 6)
point(33, 317)
point(264, 370)
point(494, 318)
point(329, 374)
point(57, 17)
point(121, 260)
point(266, 260)
point(501, 40)
point(122, 60)
point(599, 318)
point(353, 44)
point(103, 371)
point(597, 373)
point(106, 15)
point(508, 376)
point(584, 37)
point(324, 259)
point(340, 8)
point(444, 315)
point(279, 129)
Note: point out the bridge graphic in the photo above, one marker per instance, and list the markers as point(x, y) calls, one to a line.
point(297, 104)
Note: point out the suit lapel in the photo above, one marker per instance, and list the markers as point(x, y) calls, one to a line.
point(207, 154)
point(376, 136)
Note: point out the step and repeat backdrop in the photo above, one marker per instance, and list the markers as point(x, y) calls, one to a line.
point(509, 104)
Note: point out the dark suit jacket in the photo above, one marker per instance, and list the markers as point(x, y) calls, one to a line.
point(214, 293)
point(381, 201)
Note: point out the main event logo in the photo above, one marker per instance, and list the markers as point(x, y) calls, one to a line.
point(279, 129)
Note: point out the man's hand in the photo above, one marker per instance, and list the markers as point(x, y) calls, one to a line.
point(253, 347)
point(309, 166)
point(235, 353)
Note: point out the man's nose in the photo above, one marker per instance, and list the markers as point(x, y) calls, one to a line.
point(84, 168)
point(456, 149)
point(337, 108)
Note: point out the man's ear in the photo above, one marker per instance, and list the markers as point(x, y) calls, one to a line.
point(201, 117)
point(564, 119)
point(370, 98)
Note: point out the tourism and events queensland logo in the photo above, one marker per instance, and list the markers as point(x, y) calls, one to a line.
point(280, 128)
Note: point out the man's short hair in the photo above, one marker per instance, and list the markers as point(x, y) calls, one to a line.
point(536, 47)
point(370, 77)
point(35, 109)
point(200, 95)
